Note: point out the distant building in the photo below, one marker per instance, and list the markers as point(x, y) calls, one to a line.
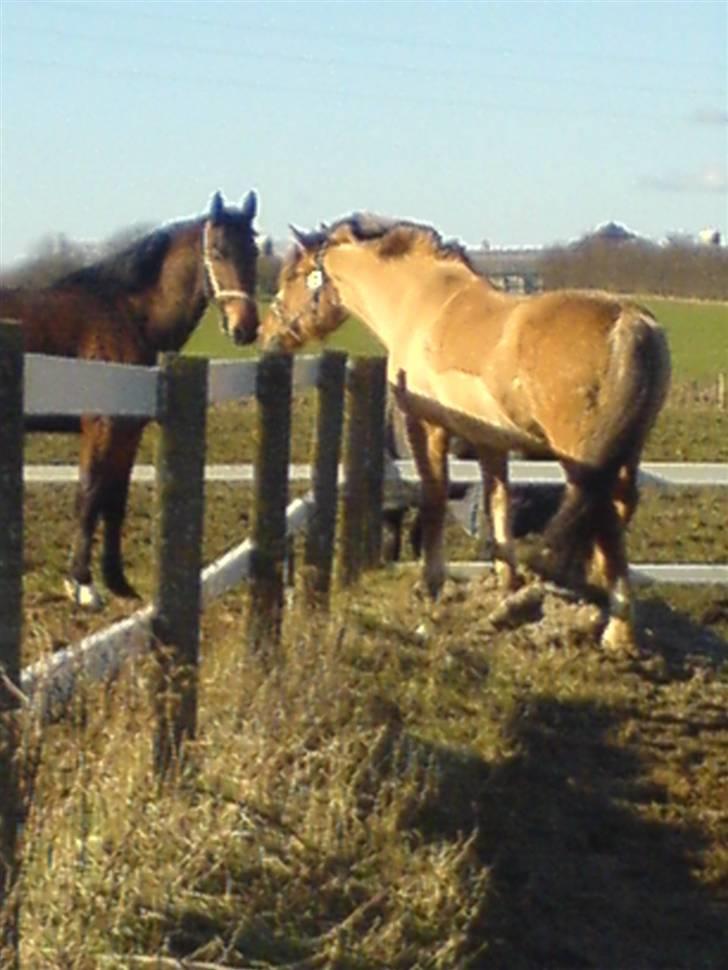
point(710, 237)
point(515, 270)
point(611, 232)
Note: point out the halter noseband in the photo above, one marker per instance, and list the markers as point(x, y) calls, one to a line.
point(219, 295)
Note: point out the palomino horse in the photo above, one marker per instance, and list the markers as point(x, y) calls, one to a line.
point(578, 376)
point(126, 309)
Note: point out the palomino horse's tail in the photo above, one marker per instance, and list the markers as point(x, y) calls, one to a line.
point(635, 388)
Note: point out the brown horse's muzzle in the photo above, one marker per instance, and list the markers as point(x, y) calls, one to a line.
point(241, 320)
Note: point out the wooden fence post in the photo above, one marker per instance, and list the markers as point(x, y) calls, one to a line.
point(11, 586)
point(179, 529)
point(356, 445)
point(321, 531)
point(377, 395)
point(265, 616)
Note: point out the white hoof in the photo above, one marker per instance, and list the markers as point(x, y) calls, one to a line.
point(83, 594)
point(619, 638)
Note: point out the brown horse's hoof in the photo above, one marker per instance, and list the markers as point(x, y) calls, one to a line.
point(122, 589)
point(83, 594)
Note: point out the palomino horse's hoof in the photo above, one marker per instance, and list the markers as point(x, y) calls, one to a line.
point(619, 638)
point(83, 594)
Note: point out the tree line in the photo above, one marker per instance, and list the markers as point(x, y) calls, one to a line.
point(680, 267)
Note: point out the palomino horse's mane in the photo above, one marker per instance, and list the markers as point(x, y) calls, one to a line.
point(131, 269)
point(392, 238)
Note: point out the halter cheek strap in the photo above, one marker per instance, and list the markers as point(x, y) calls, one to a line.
point(219, 295)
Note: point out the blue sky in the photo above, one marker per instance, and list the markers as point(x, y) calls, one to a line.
point(518, 122)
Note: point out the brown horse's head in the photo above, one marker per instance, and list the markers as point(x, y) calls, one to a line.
point(307, 305)
point(230, 256)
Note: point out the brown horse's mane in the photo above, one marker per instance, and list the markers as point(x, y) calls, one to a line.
point(392, 238)
point(130, 270)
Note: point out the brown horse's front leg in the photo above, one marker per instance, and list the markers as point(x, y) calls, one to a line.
point(80, 586)
point(123, 443)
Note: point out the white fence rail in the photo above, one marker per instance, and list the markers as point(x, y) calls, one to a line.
point(683, 474)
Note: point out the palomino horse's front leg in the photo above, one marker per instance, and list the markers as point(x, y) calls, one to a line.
point(429, 444)
point(494, 472)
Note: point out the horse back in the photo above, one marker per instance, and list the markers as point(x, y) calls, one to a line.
point(69, 321)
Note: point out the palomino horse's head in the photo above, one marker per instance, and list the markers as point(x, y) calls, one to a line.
point(307, 305)
point(230, 255)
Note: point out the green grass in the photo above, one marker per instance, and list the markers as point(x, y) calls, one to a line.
point(209, 341)
point(698, 335)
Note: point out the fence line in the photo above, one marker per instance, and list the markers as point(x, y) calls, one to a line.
point(688, 474)
point(172, 623)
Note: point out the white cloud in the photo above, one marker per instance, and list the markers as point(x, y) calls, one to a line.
point(713, 180)
point(710, 116)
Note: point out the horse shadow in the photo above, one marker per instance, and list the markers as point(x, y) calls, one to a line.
point(682, 644)
point(578, 875)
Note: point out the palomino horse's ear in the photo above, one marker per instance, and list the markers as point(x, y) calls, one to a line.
point(217, 207)
point(250, 206)
point(300, 236)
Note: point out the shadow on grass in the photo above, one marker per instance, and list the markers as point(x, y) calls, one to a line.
point(580, 877)
point(681, 642)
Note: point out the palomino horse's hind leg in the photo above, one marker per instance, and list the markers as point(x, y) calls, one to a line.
point(609, 542)
point(494, 471)
point(625, 497)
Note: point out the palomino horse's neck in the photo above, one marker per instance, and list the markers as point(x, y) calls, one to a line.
point(390, 294)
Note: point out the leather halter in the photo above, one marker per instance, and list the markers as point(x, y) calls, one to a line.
point(219, 294)
point(290, 324)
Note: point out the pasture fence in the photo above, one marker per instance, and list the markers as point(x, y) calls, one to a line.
point(172, 394)
point(176, 394)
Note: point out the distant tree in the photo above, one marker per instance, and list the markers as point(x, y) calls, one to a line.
point(680, 267)
point(269, 267)
point(51, 258)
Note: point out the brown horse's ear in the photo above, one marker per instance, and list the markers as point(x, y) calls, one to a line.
point(250, 206)
point(217, 207)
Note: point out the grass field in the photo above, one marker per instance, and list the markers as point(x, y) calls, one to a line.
point(416, 788)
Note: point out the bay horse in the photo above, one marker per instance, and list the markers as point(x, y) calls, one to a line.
point(126, 309)
point(578, 376)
